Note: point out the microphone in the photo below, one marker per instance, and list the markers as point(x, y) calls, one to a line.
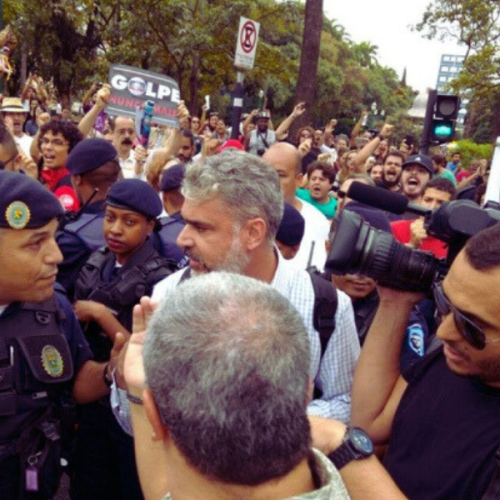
point(384, 199)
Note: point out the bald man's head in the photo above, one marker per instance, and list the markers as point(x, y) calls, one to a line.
point(286, 161)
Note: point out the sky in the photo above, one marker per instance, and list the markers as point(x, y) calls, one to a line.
point(385, 23)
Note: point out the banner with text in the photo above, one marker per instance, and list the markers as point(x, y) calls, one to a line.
point(132, 87)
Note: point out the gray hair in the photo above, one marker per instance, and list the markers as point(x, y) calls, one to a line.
point(249, 186)
point(227, 359)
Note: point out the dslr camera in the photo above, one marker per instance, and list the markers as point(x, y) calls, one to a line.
point(358, 248)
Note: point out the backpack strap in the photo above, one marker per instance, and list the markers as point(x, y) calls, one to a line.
point(493, 490)
point(186, 274)
point(325, 307)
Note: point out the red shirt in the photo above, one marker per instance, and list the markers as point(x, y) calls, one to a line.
point(65, 194)
point(401, 231)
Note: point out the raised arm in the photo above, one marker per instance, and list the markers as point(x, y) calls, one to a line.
point(88, 121)
point(41, 120)
point(149, 453)
point(285, 125)
point(357, 128)
point(378, 386)
point(162, 155)
point(369, 148)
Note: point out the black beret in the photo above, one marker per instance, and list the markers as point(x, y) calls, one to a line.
point(172, 177)
point(89, 155)
point(136, 195)
point(291, 230)
point(25, 203)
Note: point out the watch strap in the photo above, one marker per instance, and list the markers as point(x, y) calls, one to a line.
point(342, 455)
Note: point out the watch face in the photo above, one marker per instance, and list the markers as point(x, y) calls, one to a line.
point(361, 441)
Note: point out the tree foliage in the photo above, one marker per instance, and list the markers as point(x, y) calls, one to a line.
point(74, 42)
point(475, 24)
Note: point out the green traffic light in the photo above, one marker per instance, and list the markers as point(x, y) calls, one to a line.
point(443, 131)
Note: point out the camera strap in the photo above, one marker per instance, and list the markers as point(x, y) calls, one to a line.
point(493, 490)
point(264, 140)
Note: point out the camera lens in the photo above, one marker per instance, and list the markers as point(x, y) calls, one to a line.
point(358, 248)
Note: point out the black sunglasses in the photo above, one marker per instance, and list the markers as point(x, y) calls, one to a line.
point(472, 333)
point(341, 194)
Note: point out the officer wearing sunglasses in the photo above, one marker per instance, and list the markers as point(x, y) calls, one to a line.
point(441, 421)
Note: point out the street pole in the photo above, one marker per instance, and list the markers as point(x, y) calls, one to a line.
point(237, 105)
point(426, 132)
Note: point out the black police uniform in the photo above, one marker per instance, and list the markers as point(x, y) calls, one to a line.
point(165, 239)
point(79, 238)
point(105, 462)
point(77, 241)
point(41, 349)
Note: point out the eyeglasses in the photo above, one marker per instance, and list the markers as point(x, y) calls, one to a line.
point(471, 332)
point(58, 143)
point(341, 194)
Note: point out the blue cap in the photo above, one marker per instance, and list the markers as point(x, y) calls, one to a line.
point(172, 177)
point(291, 230)
point(25, 203)
point(135, 195)
point(90, 154)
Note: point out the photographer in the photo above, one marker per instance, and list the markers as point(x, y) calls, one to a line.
point(263, 137)
point(412, 232)
point(441, 420)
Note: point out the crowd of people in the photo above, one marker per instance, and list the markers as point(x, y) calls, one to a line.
point(170, 326)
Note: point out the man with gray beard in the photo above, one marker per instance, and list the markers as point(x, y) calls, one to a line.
point(233, 207)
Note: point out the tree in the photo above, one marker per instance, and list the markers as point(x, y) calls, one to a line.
point(475, 25)
point(308, 71)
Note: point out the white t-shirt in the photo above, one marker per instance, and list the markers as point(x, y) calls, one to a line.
point(316, 231)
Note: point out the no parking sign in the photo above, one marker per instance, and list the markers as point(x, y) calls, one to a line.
point(246, 45)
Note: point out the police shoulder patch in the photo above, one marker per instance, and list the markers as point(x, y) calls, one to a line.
point(416, 341)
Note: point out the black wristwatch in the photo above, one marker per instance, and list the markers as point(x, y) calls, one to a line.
point(355, 446)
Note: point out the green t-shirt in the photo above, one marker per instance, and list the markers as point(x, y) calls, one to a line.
point(327, 209)
point(449, 176)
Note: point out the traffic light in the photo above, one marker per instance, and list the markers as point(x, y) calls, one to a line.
point(444, 118)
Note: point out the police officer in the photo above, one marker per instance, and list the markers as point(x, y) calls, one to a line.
point(43, 352)
point(94, 168)
point(109, 285)
point(172, 225)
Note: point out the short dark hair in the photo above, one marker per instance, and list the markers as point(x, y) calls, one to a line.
point(64, 127)
point(327, 170)
point(483, 249)
point(187, 133)
point(104, 176)
point(439, 159)
point(395, 153)
point(441, 184)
